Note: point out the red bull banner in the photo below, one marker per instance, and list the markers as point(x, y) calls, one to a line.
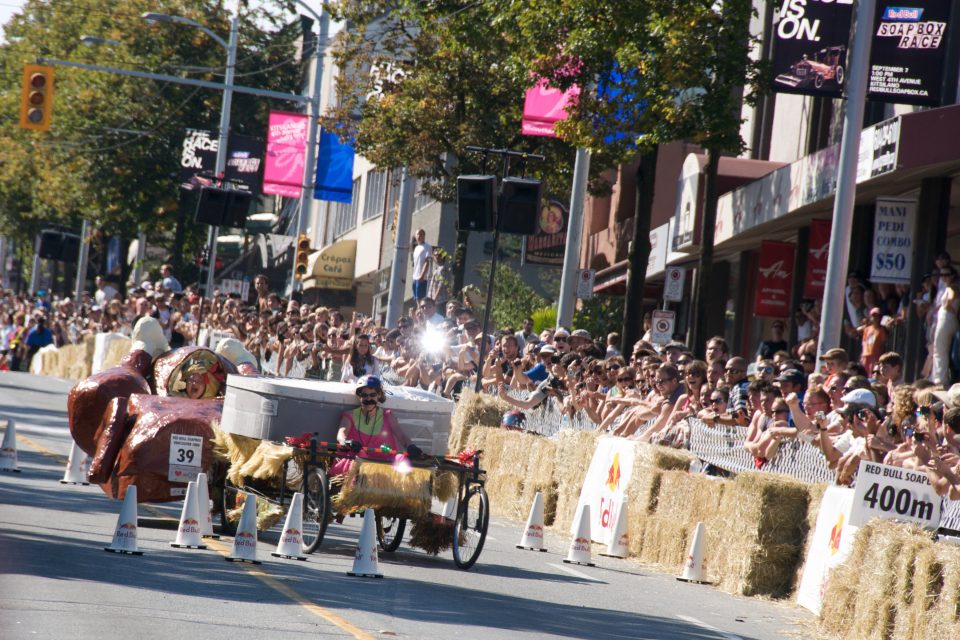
point(286, 141)
point(816, 276)
point(774, 279)
point(603, 488)
point(543, 107)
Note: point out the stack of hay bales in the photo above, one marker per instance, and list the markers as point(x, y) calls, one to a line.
point(116, 350)
point(76, 360)
point(897, 583)
point(473, 409)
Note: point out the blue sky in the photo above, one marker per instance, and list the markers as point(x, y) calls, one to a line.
point(7, 9)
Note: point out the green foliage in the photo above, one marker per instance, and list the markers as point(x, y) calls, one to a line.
point(545, 318)
point(113, 150)
point(600, 315)
point(513, 299)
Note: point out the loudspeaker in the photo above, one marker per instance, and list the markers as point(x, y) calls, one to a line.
point(476, 202)
point(51, 243)
point(211, 206)
point(238, 205)
point(69, 248)
point(519, 206)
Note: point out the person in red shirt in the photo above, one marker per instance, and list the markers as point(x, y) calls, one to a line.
point(873, 339)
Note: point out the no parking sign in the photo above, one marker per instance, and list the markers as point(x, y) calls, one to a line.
point(662, 330)
point(673, 284)
point(585, 283)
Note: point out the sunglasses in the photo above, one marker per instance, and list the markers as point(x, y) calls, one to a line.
point(716, 400)
point(692, 374)
point(923, 411)
point(559, 339)
point(613, 367)
point(373, 394)
point(663, 380)
point(624, 379)
point(734, 370)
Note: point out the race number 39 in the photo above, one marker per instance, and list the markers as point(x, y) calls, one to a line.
point(894, 493)
point(185, 453)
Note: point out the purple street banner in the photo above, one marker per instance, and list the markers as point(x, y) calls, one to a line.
point(810, 47)
point(543, 107)
point(908, 54)
point(286, 142)
point(198, 160)
point(334, 170)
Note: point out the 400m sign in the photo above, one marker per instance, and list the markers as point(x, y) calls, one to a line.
point(894, 493)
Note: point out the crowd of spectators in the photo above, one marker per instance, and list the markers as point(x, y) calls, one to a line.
point(853, 409)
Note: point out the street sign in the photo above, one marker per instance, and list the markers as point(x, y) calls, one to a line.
point(662, 330)
point(673, 284)
point(585, 284)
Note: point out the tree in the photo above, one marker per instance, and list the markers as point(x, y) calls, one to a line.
point(671, 69)
point(515, 299)
point(112, 153)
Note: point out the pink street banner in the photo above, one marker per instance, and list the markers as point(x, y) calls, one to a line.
point(286, 140)
point(544, 107)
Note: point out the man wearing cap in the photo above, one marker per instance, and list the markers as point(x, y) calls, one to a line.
point(873, 336)
point(580, 338)
point(540, 371)
point(674, 350)
point(792, 381)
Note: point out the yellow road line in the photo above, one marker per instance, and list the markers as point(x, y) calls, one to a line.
point(259, 574)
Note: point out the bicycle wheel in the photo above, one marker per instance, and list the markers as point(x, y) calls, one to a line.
point(316, 509)
point(390, 533)
point(470, 529)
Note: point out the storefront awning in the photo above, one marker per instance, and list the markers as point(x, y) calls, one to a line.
point(332, 267)
point(895, 155)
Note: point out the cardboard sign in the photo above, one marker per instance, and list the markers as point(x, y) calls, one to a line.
point(894, 493)
point(830, 546)
point(893, 240)
point(185, 453)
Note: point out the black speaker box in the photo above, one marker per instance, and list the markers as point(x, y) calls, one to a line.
point(238, 205)
point(51, 243)
point(476, 197)
point(69, 248)
point(211, 206)
point(519, 206)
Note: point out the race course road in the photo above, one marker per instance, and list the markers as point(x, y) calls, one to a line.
point(57, 582)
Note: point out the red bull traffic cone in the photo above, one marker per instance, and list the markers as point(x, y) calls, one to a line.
point(8, 450)
point(580, 545)
point(188, 533)
point(366, 564)
point(245, 542)
point(77, 466)
point(203, 499)
point(532, 537)
point(292, 536)
point(619, 546)
point(125, 533)
point(695, 565)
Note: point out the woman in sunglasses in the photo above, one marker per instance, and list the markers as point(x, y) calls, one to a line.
point(367, 428)
point(676, 432)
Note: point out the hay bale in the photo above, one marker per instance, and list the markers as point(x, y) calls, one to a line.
point(943, 617)
point(840, 595)
point(760, 513)
point(574, 452)
point(873, 616)
point(474, 409)
point(540, 465)
point(505, 458)
point(663, 542)
point(116, 350)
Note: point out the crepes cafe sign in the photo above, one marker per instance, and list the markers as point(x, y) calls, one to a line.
point(548, 245)
point(908, 53)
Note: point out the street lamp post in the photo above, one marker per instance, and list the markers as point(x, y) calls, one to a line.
point(223, 140)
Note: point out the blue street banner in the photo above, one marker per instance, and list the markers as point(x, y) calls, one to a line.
point(334, 169)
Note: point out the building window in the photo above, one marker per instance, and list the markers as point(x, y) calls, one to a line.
point(345, 214)
point(376, 193)
point(421, 199)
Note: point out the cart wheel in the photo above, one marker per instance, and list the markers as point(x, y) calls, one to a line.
point(390, 533)
point(818, 81)
point(839, 75)
point(228, 503)
point(316, 509)
point(470, 529)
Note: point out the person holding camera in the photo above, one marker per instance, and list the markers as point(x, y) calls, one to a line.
point(550, 387)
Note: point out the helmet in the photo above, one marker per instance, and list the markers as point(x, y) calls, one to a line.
point(513, 419)
point(369, 382)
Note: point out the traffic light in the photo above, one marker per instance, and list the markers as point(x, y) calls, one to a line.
point(37, 98)
point(301, 255)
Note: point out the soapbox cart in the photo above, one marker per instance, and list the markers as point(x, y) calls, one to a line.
point(442, 497)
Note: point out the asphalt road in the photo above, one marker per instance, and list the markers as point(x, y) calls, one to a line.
point(57, 582)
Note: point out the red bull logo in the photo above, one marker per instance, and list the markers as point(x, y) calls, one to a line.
point(189, 521)
point(613, 474)
point(244, 534)
point(127, 530)
point(535, 531)
point(835, 535)
point(581, 544)
point(244, 539)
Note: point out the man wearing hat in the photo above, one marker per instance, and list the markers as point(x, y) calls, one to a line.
point(792, 381)
point(580, 338)
point(674, 350)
